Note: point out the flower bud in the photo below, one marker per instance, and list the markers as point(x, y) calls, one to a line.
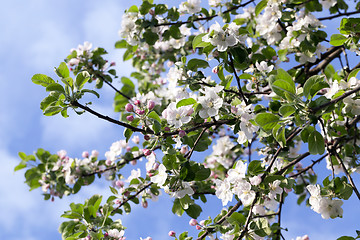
point(129, 107)
point(183, 150)
point(215, 70)
point(166, 128)
point(182, 133)
point(133, 162)
point(146, 152)
point(256, 180)
point(112, 64)
point(172, 234)
point(151, 104)
point(234, 109)
point(85, 154)
point(130, 118)
point(147, 137)
point(94, 153)
point(198, 227)
point(144, 204)
point(193, 222)
point(137, 102)
point(119, 183)
point(140, 111)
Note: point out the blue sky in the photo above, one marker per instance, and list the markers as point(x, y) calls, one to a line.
point(36, 35)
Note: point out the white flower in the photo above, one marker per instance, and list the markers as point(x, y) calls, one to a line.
point(263, 67)
point(243, 190)
point(275, 188)
point(134, 174)
point(161, 177)
point(210, 102)
point(219, 38)
point(328, 3)
point(237, 173)
point(223, 191)
point(222, 151)
point(191, 6)
point(177, 116)
point(116, 233)
point(185, 189)
point(352, 106)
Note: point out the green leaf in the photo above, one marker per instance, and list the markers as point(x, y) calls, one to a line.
point(279, 134)
point(55, 87)
point(195, 63)
point(177, 209)
point(133, 9)
point(353, 73)
point(145, 7)
point(62, 71)
point(286, 110)
point(255, 168)
point(260, 6)
point(313, 85)
point(236, 219)
point(305, 133)
point(154, 115)
point(160, 9)
point(42, 79)
point(240, 54)
point(52, 110)
point(282, 88)
point(185, 102)
point(198, 42)
point(337, 39)
point(127, 134)
point(194, 211)
point(202, 174)
point(90, 91)
point(316, 143)
point(121, 44)
point(156, 126)
point(266, 120)
point(81, 79)
point(150, 37)
point(345, 238)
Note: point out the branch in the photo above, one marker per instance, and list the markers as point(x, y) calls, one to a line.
point(132, 128)
point(310, 166)
point(339, 15)
point(133, 196)
point(292, 163)
point(116, 166)
point(202, 18)
point(243, 232)
point(326, 61)
point(228, 214)
point(237, 79)
point(347, 174)
point(314, 110)
point(188, 155)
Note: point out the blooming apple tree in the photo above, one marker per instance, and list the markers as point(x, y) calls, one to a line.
point(260, 85)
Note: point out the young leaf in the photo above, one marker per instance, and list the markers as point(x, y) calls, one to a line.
point(266, 120)
point(62, 71)
point(42, 79)
point(195, 63)
point(316, 143)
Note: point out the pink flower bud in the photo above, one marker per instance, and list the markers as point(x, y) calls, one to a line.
point(215, 70)
point(128, 148)
point(182, 133)
point(147, 137)
point(287, 190)
point(198, 227)
point(148, 238)
point(151, 104)
point(146, 152)
point(305, 237)
point(112, 64)
point(85, 154)
point(129, 107)
point(108, 162)
point(193, 222)
point(130, 118)
point(172, 234)
point(144, 204)
point(133, 162)
point(183, 150)
point(202, 222)
point(119, 183)
point(137, 102)
point(140, 111)
point(106, 234)
point(274, 58)
point(191, 110)
point(166, 128)
point(156, 166)
point(94, 153)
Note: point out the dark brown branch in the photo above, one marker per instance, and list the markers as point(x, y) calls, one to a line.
point(228, 214)
point(314, 110)
point(292, 163)
point(132, 128)
point(188, 155)
point(351, 181)
point(322, 65)
point(339, 15)
point(310, 166)
point(237, 79)
point(243, 232)
point(132, 196)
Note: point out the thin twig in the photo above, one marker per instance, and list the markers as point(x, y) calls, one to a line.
point(338, 15)
point(237, 78)
point(188, 155)
point(132, 128)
